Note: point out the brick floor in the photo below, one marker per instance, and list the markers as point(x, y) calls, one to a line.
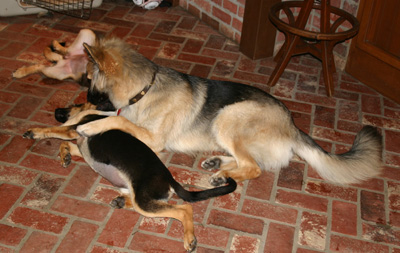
point(53, 209)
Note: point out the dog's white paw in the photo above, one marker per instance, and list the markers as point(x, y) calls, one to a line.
point(87, 129)
point(212, 163)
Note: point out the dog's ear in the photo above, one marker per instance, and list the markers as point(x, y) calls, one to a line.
point(93, 55)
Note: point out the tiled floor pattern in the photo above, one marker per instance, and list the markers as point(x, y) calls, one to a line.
point(47, 208)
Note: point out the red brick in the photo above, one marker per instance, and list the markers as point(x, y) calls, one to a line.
point(349, 126)
point(302, 121)
point(221, 15)
point(81, 182)
point(291, 176)
point(381, 234)
point(197, 59)
point(377, 121)
point(15, 149)
point(269, 211)
point(41, 193)
point(80, 208)
point(142, 30)
point(313, 230)
point(279, 239)
point(261, 187)
point(12, 49)
point(104, 195)
point(24, 108)
point(302, 200)
point(220, 54)
point(59, 99)
point(324, 116)
point(165, 26)
point(242, 243)
point(9, 194)
point(236, 222)
point(45, 164)
point(344, 218)
point(224, 68)
point(38, 220)
point(46, 118)
point(9, 97)
point(49, 147)
point(167, 38)
point(329, 190)
point(373, 207)
point(187, 23)
point(11, 236)
point(17, 175)
point(315, 99)
point(201, 71)
point(250, 77)
point(349, 110)
point(205, 235)
point(392, 160)
point(230, 6)
point(345, 244)
point(392, 141)
point(371, 104)
point(156, 225)
point(39, 242)
point(182, 159)
point(150, 243)
point(394, 219)
point(391, 173)
point(78, 237)
point(229, 201)
point(193, 46)
point(215, 41)
point(394, 195)
point(332, 135)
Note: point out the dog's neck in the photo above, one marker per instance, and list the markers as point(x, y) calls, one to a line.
point(141, 94)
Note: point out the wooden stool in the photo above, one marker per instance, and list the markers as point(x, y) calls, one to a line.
point(301, 41)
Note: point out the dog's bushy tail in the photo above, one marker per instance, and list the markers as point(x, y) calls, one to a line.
point(194, 196)
point(361, 162)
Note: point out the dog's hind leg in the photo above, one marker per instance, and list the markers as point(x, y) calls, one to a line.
point(51, 56)
point(67, 150)
point(28, 70)
point(157, 208)
point(240, 167)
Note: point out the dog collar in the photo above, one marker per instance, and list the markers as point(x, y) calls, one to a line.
point(141, 94)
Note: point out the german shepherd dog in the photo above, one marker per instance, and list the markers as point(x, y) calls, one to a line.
point(144, 181)
point(70, 62)
point(167, 109)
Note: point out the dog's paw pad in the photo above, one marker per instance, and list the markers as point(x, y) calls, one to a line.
point(66, 160)
point(29, 134)
point(118, 202)
point(217, 180)
point(212, 163)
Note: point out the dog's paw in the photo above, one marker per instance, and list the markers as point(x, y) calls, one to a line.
point(118, 202)
point(192, 246)
point(30, 134)
point(86, 130)
point(212, 163)
point(66, 160)
point(19, 73)
point(217, 180)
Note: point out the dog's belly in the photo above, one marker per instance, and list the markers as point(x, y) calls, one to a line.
point(193, 142)
point(109, 172)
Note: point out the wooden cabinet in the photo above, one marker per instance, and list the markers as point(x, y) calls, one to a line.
point(374, 56)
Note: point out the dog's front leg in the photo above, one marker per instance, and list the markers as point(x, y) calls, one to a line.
point(122, 124)
point(60, 132)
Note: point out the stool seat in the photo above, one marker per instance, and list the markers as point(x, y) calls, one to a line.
point(320, 44)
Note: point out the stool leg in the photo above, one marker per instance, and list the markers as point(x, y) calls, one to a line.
point(328, 66)
point(288, 49)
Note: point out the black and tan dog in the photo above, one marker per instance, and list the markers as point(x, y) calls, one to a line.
point(126, 162)
point(179, 112)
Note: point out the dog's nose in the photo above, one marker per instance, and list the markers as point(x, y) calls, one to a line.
point(62, 114)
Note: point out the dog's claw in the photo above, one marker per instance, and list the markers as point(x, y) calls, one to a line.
point(212, 163)
point(192, 245)
point(29, 134)
point(118, 202)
